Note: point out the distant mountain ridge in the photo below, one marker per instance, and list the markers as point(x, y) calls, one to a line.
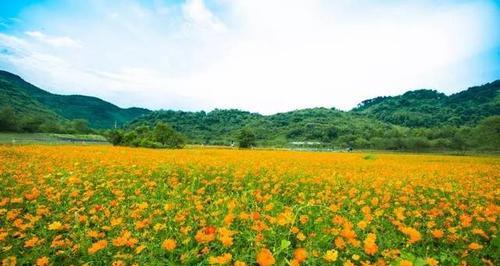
point(413, 109)
point(26, 98)
point(429, 108)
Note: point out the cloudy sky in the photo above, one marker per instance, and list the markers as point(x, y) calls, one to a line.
point(260, 55)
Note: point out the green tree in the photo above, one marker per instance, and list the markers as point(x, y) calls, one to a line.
point(80, 126)
point(246, 138)
point(31, 124)
point(167, 136)
point(115, 137)
point(487, 133)
point(8, 121)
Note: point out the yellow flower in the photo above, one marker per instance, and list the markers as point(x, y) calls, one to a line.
point(301, 236)
point(348, 263)
point(431, 262)
point(116, 221)
point(55, 226)
point(331, 255)
point(118, 263)
point(139, 249)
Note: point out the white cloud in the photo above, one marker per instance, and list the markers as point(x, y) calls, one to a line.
point(196, 13)
point(56, 41)
point(265, 56)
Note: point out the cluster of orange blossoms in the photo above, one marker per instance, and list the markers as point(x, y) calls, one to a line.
point(86, 205)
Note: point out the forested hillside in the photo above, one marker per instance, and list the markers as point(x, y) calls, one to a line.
point(429, 108)
point(415, 120)
point(28, 100)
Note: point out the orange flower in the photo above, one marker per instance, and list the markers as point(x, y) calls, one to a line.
point(412, 233)
point(265, 257)
point(125, 239)
point(465, 220)
point(405, 263)
point(431, 262)
point(31, 242)
point(369, 244)
point(475, 246)
point(3, 236)
point(437, 233)
point(206, 235)
point(225, 236)
point(101, 244)
point(300, 254)
point(9, 261)
point(339, 243)
point(33, 194)
point(221, 260)
point(42, 261)
point(169, 244)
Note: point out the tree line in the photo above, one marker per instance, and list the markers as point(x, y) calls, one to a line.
point(10, 121)
point(325, 128)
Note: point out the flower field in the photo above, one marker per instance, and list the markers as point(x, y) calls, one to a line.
point(102, 205)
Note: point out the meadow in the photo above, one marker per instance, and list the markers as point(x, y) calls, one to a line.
point(104, 205)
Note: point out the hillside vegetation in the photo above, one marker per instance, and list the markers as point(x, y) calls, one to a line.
point(416, 120)
point(429, 108)
point(30, 101)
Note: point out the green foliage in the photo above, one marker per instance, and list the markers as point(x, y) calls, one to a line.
point(160, 136)
point(418, 120)
point(167, 136)
point(488, 133)
point(428, 108)
point(8, 119)
point(11, 121)
point(31, 101)
point(330, 127)
point(246, 138)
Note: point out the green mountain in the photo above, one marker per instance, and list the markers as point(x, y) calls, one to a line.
point(421, 118)
point(29, 100)
point(429, 108)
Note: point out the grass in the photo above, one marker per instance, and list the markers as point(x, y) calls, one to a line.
point(50, 138)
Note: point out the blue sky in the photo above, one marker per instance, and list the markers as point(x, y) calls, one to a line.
point(259, 55)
